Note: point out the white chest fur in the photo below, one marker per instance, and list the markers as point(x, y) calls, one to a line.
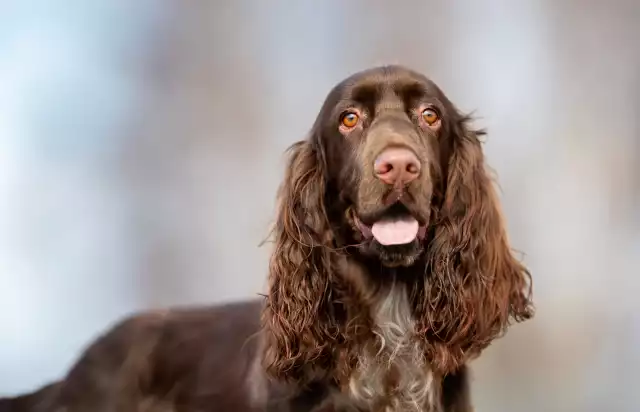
point(395, 356)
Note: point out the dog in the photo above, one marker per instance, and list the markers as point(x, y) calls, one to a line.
point(391, 270)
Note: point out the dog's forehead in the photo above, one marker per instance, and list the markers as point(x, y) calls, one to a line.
point(384, 79)
point(391, 84)
point(377, 88)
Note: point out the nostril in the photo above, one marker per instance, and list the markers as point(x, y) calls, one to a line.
point(413, 168)
point(382, 167)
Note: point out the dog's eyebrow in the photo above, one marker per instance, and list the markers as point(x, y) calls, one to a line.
point(365, 93)
point(412, 90)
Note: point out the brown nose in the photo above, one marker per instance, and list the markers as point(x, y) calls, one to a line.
point(396, 165)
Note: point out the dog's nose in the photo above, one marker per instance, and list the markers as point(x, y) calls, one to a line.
point(397, 165)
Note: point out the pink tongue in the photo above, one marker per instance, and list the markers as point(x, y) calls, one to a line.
point(395, 232)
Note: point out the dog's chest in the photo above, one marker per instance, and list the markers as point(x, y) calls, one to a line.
point(392, 374)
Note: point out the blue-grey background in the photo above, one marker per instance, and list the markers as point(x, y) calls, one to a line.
point(141, 146)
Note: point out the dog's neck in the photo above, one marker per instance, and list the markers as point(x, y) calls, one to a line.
point(392, 372)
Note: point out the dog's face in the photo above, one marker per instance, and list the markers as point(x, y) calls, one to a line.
point(384, 133)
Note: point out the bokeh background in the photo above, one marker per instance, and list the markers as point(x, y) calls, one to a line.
point(141, 147)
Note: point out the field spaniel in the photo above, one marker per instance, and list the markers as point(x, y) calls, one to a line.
point(391, 270)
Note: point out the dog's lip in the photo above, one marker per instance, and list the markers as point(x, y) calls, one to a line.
point(364, 229)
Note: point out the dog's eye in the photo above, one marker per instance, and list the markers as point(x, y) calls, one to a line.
point(350, 119)
point(430, 116)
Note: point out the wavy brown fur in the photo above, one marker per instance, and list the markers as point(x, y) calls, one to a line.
point(308, 300)
point(301, 323)
point(475, 285)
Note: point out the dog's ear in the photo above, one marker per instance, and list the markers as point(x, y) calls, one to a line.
point(297, 320)
point(475, 284)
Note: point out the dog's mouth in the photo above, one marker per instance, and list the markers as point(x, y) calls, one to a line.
point(394, 226)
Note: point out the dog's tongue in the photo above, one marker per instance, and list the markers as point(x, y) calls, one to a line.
point(395, 232)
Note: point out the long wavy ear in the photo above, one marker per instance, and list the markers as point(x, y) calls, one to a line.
point(475, 286)
point(298, 319)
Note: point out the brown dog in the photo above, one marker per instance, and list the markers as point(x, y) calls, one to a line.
point(391, 270)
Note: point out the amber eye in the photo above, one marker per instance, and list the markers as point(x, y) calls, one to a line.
point(350, 119)
point(430, 116)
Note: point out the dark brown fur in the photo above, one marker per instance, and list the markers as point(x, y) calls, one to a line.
point(464, 284)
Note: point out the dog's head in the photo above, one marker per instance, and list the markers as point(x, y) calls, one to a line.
point(385, 137)
point(393, 177)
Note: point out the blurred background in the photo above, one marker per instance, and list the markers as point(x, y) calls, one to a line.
point(141, 147)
